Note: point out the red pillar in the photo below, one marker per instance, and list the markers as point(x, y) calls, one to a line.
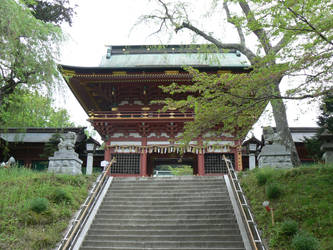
point(143, 159)
point(107, 151)
point(238, 156)
point(201, 164)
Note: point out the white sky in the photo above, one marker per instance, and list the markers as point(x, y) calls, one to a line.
point(109, 22)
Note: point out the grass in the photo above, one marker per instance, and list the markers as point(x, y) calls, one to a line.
point(305, 197)
point(22, 226)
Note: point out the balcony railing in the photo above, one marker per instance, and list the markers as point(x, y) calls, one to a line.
point(140, 115)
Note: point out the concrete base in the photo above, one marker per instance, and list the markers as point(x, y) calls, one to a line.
point(274, 155)
point(65, 163)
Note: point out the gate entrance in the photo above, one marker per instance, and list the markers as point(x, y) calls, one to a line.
point(171, 164)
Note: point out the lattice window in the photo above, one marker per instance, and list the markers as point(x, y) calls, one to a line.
point(126, 164)
point(214, 163)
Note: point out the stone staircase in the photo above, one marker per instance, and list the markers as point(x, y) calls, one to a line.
point(165, 213)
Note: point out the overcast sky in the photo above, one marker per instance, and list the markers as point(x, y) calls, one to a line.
point(109, 22)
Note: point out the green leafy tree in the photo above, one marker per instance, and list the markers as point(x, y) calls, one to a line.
point(325, 122)
point(56, 11)
point(24, 109)
point(28, 48)
point(51, 146)
point(292, 38)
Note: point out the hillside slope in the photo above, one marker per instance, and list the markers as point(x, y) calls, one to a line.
point(35, 207)
point(302, 200)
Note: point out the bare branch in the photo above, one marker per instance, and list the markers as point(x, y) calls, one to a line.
point(239, 29)
point(259, 32)
point(271, 97)
point(247, 52)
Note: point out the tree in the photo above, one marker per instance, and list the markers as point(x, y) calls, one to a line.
point(292, 37)
point(56, 11)
point(23, 109)
point(28, 48)
point(325, 122)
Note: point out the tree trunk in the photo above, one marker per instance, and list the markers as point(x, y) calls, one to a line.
point(282, 127)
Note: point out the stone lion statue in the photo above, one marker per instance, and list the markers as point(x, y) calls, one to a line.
point(67, 142)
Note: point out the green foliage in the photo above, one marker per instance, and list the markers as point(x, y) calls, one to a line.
point(29, 48)
point(304, 241)
point(292, 37)
point(306, 199)
point(61, 195)
point(39, 205)
point(264, 175)
point(289, 227)
point(181, 170)
point(56, 11)
point(273, 190)
point(214, 102)
point(51, 146)
point(312, 146)
point(24, 109)
point(22, 228)
point(325, 120)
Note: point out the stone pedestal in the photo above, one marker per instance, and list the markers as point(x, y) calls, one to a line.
point(65, 160)
point(274, 155)
point(65, 163)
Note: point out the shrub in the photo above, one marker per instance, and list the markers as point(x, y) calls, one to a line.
point(289, 227)
point(263, 175)
point(273, 190)
point(304, 241)
point(61, 195)
point(39, 205)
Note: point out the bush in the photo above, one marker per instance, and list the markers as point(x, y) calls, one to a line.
point(273, 190)
point(61, 195)
point(39, 205)
point(304, 241)
point(263, 175)
point(289, 227)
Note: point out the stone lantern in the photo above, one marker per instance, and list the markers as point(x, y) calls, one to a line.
point(90, 147)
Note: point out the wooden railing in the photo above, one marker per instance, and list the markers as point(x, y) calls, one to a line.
point(252, 230)
point(141, 115)
point(83, 214)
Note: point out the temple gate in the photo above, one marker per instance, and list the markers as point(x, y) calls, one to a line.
point(117, 97)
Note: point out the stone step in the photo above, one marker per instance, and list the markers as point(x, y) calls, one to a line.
point(99, 231)
point(106, 221)
point(164, 244)
point(170, 185)
point(165, 227)
point(158, 248)
point(188, 213)
point(179, 194)
point(157, 238)
point(166, 203)
point(136, 248)
point(158, 199)
point(167, 211)
point(171, 179)
point(161, 216)
point(171, 207)
point(167, 190)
